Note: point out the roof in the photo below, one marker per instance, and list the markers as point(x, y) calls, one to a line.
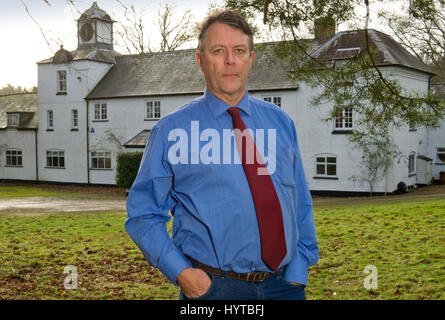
point(94, 12)
point(177, 72)
point(389, 52)
point(23, 103)
point(93, 54)
point(139, 141)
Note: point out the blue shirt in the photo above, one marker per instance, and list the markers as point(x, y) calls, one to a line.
point(193, 174)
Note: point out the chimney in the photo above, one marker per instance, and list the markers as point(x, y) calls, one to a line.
point(324, 28)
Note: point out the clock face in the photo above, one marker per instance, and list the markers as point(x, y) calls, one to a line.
point(86, 32)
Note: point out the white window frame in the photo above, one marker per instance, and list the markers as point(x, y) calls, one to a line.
point(153, 109)
point(49, 119)
point(276, 100)
point(100, 112)
point(14, 158)
point(100, 160)
point(412, 163)
point(440, 151)
point(13, 119)
point(345, 120)
point(55, 154)
point(325, 163)
point(61, 81)
point(74, 119)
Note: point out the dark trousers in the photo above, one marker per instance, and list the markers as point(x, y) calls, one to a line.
point(272, 288)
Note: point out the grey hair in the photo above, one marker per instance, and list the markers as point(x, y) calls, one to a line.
point(229, 17)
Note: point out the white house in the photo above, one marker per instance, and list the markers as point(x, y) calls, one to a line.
point(94, 103)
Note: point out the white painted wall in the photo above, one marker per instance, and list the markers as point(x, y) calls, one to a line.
point(126, 118)
point(23, 140)
point(82, 76)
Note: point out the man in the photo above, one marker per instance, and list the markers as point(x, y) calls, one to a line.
point(241, 229)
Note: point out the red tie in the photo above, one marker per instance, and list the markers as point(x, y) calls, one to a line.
point(265, 199)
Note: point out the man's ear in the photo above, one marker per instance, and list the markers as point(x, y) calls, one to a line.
point(199, 60)
point(252, 57)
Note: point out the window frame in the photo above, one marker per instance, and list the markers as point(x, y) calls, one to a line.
point(49, 120)
point(274, 99)
point(58, 154)
point(74, 119)
point(13, 119)
point(441, 152)
point(18, 156)
point(61, 82)
point(341, 121)
point(412, 164)
point(326, 164)
point(154, 114)
point(99, 155)
point(100, 112)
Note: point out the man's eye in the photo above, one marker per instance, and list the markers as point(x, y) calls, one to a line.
point(218, 50)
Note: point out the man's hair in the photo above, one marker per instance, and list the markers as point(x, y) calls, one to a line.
point(230, 17)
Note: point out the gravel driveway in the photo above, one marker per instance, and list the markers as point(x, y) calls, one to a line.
point(39, 205)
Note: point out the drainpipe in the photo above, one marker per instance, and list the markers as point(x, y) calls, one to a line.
point(88, 144)
point(37, 156)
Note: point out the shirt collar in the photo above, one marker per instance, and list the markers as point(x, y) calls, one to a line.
point(217, 107)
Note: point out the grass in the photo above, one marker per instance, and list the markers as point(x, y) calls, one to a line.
point(404, 241)
point(23, 191)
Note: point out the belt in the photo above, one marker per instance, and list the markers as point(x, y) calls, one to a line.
point(254, 276)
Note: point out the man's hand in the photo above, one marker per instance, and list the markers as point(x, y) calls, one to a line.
point(194, 282)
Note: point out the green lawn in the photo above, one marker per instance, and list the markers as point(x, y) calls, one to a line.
point(403, 241)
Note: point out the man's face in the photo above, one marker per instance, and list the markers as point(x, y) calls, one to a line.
point(226, 62)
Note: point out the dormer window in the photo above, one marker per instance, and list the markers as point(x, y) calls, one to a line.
point(61, 82)
point(13, 119)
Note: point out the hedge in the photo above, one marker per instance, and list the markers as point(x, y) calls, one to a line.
point(127, 168)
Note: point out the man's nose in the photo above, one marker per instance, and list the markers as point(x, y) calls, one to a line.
point(230, 58)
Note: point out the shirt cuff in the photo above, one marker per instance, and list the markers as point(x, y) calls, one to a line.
point(296, 271)
point(172, 263)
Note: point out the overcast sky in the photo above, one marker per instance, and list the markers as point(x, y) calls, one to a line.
point(22, 42)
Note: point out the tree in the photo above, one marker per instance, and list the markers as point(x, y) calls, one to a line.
point(377, 156)
point(358, 84)
point(421, 29)
point(174, 31)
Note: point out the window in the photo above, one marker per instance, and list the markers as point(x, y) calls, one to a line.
point(153, 110)
point(412, 163)
point(55, 159)
point(14, 158)
point(326, 165)
point(49, 120)
point(100, 111)
point(13, 119)
point(74, 119)
point(101, 160)
point(343, 120)
point(275, 100)
point(61, 81)
point(440, 155)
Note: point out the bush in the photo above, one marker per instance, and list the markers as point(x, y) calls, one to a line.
point(127, 168)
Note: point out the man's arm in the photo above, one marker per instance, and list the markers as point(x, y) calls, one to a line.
point(148, 205)
point(306, 253)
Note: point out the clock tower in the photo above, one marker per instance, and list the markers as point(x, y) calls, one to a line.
point(95, 29)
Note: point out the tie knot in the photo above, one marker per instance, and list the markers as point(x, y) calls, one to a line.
point(233, 111)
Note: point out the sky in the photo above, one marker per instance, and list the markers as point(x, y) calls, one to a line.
point(23, 44)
